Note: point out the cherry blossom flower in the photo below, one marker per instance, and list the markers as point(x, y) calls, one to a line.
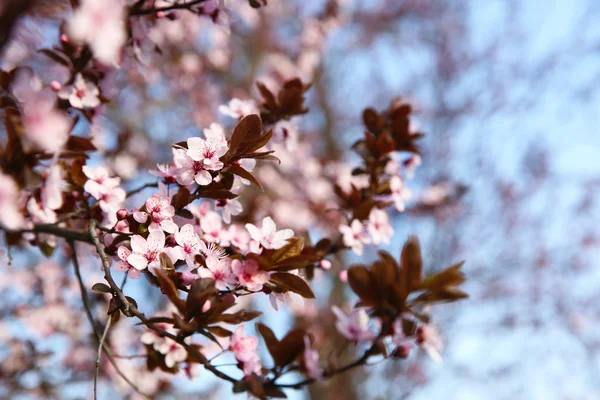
point(229, 207)
point(237, 108)
point(220, 271)
point(161, 214)
point(174, 353)
point(411, 165)
point(248, 164)
point(123, 266)
point(208, 151)
point(428, 337)
point(40, 213)
point(268, 236)
point(46, 128)
point(288, 298)
point(212, 227)
point(286, 132)
point(168, 172)
point(216, 134)
point(354, 236)
point(188, 246)
point(154, 339)
point(244, 350)
point(355, 326)
point(212, 250)
point(10, 214)
point(145, 252)
point(99, 179)
point(379, 226)
point(238, 237)
point(190, 171)
point(249, 274)
point(101, 24)
point(311, 360)
point(400, 192)
point(105, 189)
point(81, 94)
point(402, 342)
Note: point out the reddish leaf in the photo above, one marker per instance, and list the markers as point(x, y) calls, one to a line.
point(291, 282)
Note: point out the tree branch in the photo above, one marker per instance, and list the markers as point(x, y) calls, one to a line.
point(88, 313)
point(131, 309)
point(134, 11)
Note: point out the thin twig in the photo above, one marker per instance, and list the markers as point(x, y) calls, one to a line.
point(99, 355)
point(143, 187)
point(178, 6)
point(88, 313)
point(53, 229)
point(131, 309)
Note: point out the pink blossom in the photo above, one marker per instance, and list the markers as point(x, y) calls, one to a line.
point(101, 24)
point(104, 188)
point(411, 165)
point(399, 192)
point(286, 132)
point(154, 339)
point(220, 271)
point(354, 236)
point(145, 252)
point(379, 226)
point(46, 128)
point(244, 350)
point(190, 171)
point(123, 266)
point(249, 274)
point(40, 213)
point(211, 250)
point(399, 339)
point(161, 214)
point(167, 172)
point(288, 298)
point(355, 326)
point(208, 151)
point(237, 108)
point(229, 207)
point(212, 227)
point(188, 245)
point(174, 353)
point(81, 94)
point(428, 337)
point(268, 236)
point(10, 213)
point(311, 360)
point(238, 237)
point(99, 179)
point(216, 134)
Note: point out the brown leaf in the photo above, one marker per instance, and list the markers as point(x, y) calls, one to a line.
point(292, 249)
point(241, 172)
point(412, 264)
point(291, 282)
point(361, 283)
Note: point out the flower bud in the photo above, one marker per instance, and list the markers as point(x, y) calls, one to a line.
point(55, 85)
point(122, 214)
point(343, 275)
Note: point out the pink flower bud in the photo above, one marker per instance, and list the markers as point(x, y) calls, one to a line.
point(402, 351)
point(325, 264)
point(206, 306)
point(343, 275)
point(187, 278)
point(55, 85)
point(64, 38)
point(122, 214)
point(160, 14)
